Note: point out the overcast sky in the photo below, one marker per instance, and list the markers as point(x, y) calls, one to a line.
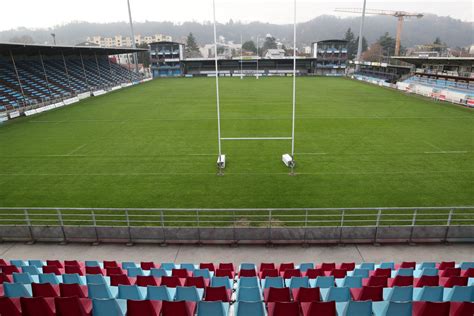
point(47, 13)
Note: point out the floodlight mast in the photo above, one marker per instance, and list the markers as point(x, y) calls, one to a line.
point(361, 34)
point(220, 162)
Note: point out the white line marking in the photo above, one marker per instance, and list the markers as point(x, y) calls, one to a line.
point(255, 138)
point(296, 154)
point(76, 150)
point(446, 152)
point(229, 173)
point(434, 146)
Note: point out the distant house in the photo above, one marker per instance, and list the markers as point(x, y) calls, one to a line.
point(275, 54)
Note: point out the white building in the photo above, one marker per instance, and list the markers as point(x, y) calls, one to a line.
point(275, 54)
point(126, 41)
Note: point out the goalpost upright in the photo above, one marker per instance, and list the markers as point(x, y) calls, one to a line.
point(288, 159)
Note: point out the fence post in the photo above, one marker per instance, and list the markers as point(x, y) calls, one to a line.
point(198, 227)
point(130, 242)
point(269, 227)
point(233, 227)
point(448, 225)
point(61, 222)
point(162, 217)
point(379, 214)
point(94, 222)
point(305, 227)
point(342, 225)
point(30, 229)
point(413, 224)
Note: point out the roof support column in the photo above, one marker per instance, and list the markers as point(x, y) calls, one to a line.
point(67, 72)
point(110, 68)
point(18, 77)
point(98, 69)
point(45, 75)
point(129, 71)
point(84, 70)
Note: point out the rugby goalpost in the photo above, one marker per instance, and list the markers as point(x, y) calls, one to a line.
point(287, 158)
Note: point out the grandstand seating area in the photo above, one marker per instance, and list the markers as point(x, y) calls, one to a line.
point(53, 287)
point(461, 87)
point(60, 81)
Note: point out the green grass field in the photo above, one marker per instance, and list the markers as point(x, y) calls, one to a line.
point(155, 145)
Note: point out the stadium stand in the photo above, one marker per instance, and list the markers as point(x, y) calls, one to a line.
point(27, 287)
point(37, 74)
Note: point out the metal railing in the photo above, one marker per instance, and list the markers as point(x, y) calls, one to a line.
point(250, 217)
point(271, 220)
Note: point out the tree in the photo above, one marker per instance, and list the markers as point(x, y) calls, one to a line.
point(438, 45)
point(351, 44)
point(144, 57)
point(374, 53)
point(192, 48)
point(25, 39)
point(249, 46)
point(270, 43)
point(388, 44)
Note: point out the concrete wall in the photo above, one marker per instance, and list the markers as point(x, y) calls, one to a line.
point(243, 235)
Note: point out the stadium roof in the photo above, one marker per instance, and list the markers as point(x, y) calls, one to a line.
point(419, 61)
point(33, 49)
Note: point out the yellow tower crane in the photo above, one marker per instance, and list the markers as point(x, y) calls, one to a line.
point(400, 15)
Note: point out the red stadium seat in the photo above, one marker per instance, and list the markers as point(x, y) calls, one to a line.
point(427, 280)
point(274, 294)
point(290, 273)
point(319, 309)
point(349, 266)
point(265, 266)
point(146, 280)
point(143, 308)
point(52, 269)
point(120, 279)
point(400, 280)
point(406, 265)
point(55, 263)
point(449, 272)
point(35, 306)
point(338, 273)
point(94, 270)
point(375, 281)
point(114, 270)
point(73, 306)
point(170, 281)
point(249, 273)
point(469, 273)
point(227, 266)
point(269, 273)
point(147, 265)
point(218, 293)
point(381, 272)
point(70, 269)
point(178, 308)
point(286, 266)
point(44, 290)
point(224, 273)
point(110, 264)
point(209, 266)
point(446, 264)
point(199, 282)
point(431, 308)
point(73, 289)
point(367, 293)
point(325, 266)
point(10, 306)
point(9, 269)
point(306, 294)
point(284, 309)
point(5, 278)
point(181, 273)
point(461, 309)
point(73, 263)
point(453, 281)
point(314, 273)
point(3, 262)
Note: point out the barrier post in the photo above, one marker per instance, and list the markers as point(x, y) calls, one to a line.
point(413, 223)
point(94, 222)
point(30, 229)
point(448, 224)
point(162, 219)
point(61, 222)
point(379, 214)
point(269, 227)
point(130, 242)
point(198, 227)
point(343, 213)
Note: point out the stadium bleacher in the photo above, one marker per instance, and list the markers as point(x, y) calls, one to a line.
point(442, 84)
point(53, 287)
point(47, 73)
